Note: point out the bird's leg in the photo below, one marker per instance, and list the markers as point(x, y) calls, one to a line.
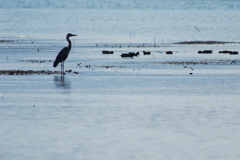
point(63, 68)
point(61, 72)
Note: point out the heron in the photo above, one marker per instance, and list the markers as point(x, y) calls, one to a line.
point(63, 54)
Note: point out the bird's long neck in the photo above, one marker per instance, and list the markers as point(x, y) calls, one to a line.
point(69, 44)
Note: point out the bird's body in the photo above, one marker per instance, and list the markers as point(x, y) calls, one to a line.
point(63, 54)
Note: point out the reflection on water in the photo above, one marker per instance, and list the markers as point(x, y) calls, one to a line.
point(61, 82)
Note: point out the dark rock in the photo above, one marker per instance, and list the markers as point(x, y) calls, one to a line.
point(146, 52)
point(233, 53)
point(229, 52)
point(169, 52)
point(69, 71)
point(130, 54)
point(107, 52)
point(225, 51)
point(205, 52)
point(126, 55)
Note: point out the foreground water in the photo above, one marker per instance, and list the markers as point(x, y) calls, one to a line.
point(133, 109)
point(120, 108)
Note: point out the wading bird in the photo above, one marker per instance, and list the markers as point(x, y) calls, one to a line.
point(63, 54)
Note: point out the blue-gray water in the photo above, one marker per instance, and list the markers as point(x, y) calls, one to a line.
point(123, 20)
point(135, 109)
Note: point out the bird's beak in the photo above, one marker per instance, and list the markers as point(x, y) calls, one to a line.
point(74, 35)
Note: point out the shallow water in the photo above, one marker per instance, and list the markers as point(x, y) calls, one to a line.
point(136, 108)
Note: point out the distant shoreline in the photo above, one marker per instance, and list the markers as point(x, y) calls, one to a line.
point(182, 42)
point(205, 42)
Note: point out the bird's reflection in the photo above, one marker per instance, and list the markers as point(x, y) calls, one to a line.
point(61, 82)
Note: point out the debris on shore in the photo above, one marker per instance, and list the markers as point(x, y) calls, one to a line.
point(2, 41)
point(27, 72)
point(30, 72)
point(203, 62)
point(109, 66)
point(35, 61)
point(204, 42)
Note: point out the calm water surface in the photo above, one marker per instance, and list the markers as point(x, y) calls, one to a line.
point(123, 21)
point(135, 109)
